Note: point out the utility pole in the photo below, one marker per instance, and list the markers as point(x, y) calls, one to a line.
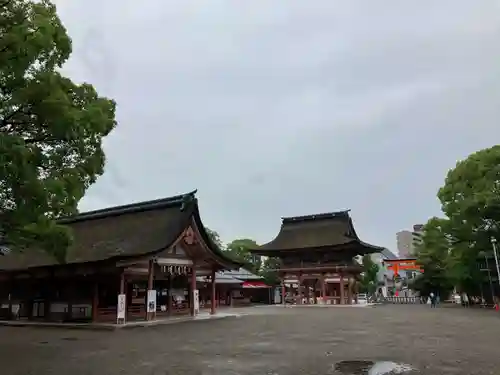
point(493, 242)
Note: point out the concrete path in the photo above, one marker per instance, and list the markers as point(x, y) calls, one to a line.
point(271, 341)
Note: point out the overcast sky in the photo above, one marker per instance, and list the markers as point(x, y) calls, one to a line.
point(285, 108)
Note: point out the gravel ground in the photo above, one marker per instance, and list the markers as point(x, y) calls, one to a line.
point(268, 341)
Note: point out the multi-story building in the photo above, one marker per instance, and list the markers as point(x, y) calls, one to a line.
point(407, 241)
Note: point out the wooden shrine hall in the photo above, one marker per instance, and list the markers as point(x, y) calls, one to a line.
point(133, 262)
point(317, 258)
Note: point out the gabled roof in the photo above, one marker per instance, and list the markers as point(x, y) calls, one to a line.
point(329, 232)
point(123, 232)
point(241, 274)
point(388, 254)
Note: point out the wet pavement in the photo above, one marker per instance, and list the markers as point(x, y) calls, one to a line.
point(395, 339)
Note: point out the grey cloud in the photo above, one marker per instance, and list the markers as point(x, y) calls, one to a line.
point(276, 109)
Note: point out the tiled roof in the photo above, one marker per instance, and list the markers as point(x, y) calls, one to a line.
point(323, 231)
point(122, 232)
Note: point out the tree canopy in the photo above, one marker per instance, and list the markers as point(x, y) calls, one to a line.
point(434, 258)
point(215, 237)
point(453, 246)
point(239, 250)
point(368, 282)
point(51, 129)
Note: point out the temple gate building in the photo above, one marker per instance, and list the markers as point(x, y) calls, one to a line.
point(316, 255)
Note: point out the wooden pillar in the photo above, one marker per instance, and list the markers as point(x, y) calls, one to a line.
point(212, 296)
point(151, 275)
point(342, 301)
point(307, 292)
point(315, 297)
point(70, 290)
point(323, 288)
point(283, 291)
point(356, 291)
point(169, 301)
point(11, 288)
point(300, 291)
point(95, 301)
point(193, 288)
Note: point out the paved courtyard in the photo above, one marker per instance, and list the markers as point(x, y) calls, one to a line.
point(267, 341)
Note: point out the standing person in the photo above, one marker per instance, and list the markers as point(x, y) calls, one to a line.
point(433, 299)
point(465, 299)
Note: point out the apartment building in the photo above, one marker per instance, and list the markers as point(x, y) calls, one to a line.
point(407, 241)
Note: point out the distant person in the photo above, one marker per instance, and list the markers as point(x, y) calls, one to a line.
point(432, 296)
point(465, 300)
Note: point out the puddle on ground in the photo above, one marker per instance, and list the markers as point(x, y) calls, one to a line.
point(70, 338)
point(373, 368)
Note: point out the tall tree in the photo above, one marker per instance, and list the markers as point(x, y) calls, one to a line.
point(368, 282)
point(433, 255)
point(239, 250)
point(470, 199)
point(51, 129)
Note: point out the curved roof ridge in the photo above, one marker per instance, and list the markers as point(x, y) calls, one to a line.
point(325, 215)
point(130, 208)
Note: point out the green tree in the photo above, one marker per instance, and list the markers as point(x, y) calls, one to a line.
point(368, 282)
point(215, 237)
point(51, 129)
point(240, 251)
point(434, 256)
point(268, 271)
point(470, 198)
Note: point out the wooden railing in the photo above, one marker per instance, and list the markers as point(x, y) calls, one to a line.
point(403, 300)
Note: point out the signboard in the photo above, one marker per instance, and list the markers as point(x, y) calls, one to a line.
point(122, 307)
point(196, 301)
point(151, 301)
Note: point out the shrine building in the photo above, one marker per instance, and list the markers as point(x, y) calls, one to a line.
point(135, 262)
point(316, 256)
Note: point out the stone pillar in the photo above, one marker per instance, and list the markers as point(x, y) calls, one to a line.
point(212, 296)
point(342, 300)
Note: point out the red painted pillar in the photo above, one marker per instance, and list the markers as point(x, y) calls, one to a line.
point(193, 288)
point(212, 301)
